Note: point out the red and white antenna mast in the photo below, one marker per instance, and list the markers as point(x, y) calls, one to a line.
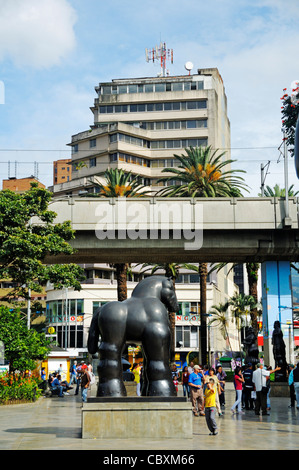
point(161, 54)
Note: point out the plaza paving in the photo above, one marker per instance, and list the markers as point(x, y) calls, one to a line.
point(55, 424)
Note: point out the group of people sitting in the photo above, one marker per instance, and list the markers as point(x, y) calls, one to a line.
point(80, 375)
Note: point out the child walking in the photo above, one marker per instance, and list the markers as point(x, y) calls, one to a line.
point(210, 406)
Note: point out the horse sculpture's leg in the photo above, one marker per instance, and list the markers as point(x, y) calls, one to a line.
point(112, 326)
point(156, 344)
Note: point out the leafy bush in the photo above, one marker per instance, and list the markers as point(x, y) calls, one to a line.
point(18, 387)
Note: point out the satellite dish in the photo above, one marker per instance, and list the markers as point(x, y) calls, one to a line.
point(188, 66)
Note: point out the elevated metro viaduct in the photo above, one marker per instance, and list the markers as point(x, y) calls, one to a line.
point(162, 230)
point(180, 229)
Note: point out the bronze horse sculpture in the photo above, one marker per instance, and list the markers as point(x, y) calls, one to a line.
point(143, 317)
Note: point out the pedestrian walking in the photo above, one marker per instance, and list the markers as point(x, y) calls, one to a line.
point(238, 380)
point(248, 387)
point(136, 371)
point(185, 380)
point(85, 380)
point(217, 389)
point(210, 406)
point(196, 382)
point(73, 372)
point(269, 379)
point(259, 378)
point(221, 376)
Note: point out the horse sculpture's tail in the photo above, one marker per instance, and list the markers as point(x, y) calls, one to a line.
point(94, 334)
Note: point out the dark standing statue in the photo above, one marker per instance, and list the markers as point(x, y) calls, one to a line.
point(279, 353)
point(142, 317)
point(251, 348)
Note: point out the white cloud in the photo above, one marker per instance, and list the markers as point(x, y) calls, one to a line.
point(38, 33)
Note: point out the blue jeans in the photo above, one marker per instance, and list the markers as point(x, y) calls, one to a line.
point(238, 402)
point(73, 379)
point(84, 394)
point(296, 388)
point(186, 390)
point(58, 387)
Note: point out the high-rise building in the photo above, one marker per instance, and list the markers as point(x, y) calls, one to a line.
point(62, 171)
point(141, 123)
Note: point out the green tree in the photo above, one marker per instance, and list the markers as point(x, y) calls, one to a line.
point(203, 172)
point(23, 347)
point(220, 319)
point(24, 245)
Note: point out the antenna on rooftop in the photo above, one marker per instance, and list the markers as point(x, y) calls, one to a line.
point(160, 53)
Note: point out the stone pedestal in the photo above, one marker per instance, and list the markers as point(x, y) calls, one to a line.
point(279, 389)
point(137, 417)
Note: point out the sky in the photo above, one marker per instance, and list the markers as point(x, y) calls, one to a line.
point(54, 52)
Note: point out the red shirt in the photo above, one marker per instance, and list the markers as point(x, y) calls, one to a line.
point(238, 383)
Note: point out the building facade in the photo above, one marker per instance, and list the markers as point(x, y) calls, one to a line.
point(20, 185)
point(62, 171)
point(140, 124)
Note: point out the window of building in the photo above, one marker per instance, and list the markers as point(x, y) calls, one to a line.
point(106, 90)
point(177, 86)
point(186, 337)
point(160, 87)
point(151, 87)
point(122, 89)
point(150, 107)
point(148, 88)
point(75, 148)
point(133, 89)
point(92, 162)
point(93, 143)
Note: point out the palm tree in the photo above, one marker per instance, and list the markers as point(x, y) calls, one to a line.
point(119, 184)
point(252, 277)
point(277, 191)
point(220, 319)
point(241, 304)
point(202, 173)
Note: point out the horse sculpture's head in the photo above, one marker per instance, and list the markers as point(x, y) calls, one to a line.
point(158, 286)
point(168, 295)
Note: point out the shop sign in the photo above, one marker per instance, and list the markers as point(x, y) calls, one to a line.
point(188, 318)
